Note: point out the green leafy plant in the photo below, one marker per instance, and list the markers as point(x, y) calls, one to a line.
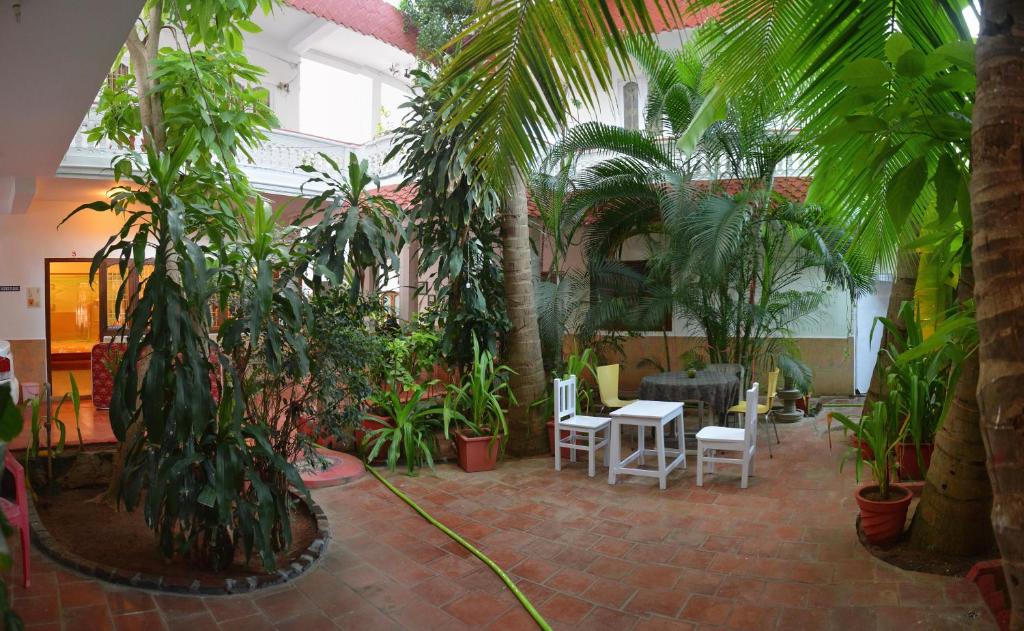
point(410, 354)
point(731, 258)
point(369, 223)
point(411, 434)
point(344, 359)
point(583, 366)
point(882, 431)
point(462, 267)
point(479, 402)
point(921, 374)
point(437, 22)
point(45, 419)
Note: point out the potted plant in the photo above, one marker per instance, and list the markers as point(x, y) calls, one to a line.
point(407, 429)
point(694, 361)
point(921, 375)
point(476, 405)
point(883, 505)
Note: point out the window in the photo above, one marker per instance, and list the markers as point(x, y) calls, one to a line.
point(113, 319)
point(112, 314)
point(631, 105)
point(115, 74)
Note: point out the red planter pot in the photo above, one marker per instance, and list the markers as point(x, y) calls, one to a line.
point(882, 522)
point(906, 457)
point(477, 453)
point(866, 453)
point(551, 440)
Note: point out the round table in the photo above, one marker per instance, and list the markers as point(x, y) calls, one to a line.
point(718, 390)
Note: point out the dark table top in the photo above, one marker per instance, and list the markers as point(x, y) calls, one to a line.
point(719, 390)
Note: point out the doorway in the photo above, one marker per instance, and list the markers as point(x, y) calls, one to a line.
point(868, 336)
point(72, 325)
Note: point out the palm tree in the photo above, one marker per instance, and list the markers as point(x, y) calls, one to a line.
point(525, 64)
point(735, 257)
point(997, 187)
point(812, 52)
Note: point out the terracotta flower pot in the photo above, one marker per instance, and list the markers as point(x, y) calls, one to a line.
point(445, 447)
point(477, 453)
point(866, 453)
point(882, 522)
point(906, 457)
point(551, 440)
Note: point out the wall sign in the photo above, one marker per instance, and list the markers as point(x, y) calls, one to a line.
point(10, 287)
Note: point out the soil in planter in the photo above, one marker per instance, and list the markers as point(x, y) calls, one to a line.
point(904, 556)
point(122, 540)
point(895, 493)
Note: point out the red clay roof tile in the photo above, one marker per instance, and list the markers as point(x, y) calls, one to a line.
point(375, 18)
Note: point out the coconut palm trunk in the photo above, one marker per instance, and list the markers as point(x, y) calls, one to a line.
point(997, 205)
point(954, 514)
point(902, 290)
point(523, 350)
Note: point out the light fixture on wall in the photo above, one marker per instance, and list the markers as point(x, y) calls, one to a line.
point(16, 8)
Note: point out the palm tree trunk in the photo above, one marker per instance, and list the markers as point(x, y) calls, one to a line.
point(523, 354)
point(902, 290)
point(997, 205)
point(954, 516)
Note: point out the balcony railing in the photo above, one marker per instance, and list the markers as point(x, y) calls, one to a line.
point(273, 165)
point(797, 165)
point(285, 150)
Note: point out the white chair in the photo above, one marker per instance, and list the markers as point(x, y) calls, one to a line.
point(567, 419)
point(713, 439)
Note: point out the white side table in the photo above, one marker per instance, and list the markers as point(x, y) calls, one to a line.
point(644, 414)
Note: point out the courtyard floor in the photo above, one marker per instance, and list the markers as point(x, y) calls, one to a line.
point(782, 554)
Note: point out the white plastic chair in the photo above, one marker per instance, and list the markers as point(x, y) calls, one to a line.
point(713, 439)
point(567, 419)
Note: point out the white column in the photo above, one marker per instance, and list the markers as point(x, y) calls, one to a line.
point(374, 106)
point(408, 280)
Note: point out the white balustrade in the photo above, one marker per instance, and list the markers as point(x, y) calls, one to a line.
point(282, 152)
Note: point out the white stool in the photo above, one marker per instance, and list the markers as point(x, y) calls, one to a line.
point(644, 414)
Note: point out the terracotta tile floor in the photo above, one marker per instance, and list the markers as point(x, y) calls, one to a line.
point(779, 555)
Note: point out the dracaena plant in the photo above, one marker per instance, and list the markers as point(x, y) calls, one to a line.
point(368, 222)
point(206, 473)
point(210, 426)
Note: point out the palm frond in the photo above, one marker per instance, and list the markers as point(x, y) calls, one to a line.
point(529, 61)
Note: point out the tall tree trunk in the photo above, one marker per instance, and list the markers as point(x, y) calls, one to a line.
point(142, 52)
point(997, 204)
point(954, 516)
point(902, 290)
point(523, 352)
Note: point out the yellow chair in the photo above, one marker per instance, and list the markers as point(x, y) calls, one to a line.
point(608, 386)
point(741, 407)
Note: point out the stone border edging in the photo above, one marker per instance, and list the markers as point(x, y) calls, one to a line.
point(181, 585)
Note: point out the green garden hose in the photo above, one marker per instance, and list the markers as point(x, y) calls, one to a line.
point(530, 609)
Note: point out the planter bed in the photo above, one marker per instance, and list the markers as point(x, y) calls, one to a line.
point(90, 537)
